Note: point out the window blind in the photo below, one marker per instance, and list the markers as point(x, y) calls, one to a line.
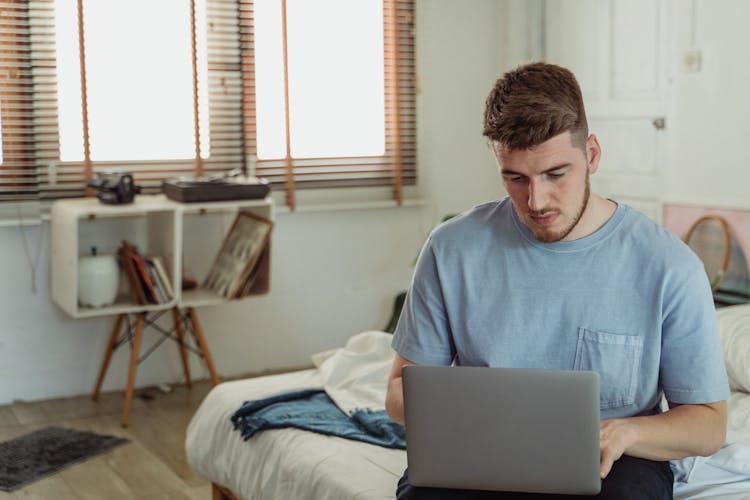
point(397, 167)
point(31, 167)
point(27, 96)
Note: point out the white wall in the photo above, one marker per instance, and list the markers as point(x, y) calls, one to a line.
point(458, 61)
point(334, 273)
point(709, 127)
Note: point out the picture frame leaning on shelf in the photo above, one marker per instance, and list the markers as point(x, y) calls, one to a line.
point(235, 267)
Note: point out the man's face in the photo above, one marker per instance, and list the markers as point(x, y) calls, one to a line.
point(549, 185)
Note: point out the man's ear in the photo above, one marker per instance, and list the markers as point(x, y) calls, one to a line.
point(593, 152)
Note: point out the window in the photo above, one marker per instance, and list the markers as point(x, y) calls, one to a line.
point(327, 102)
point(141, 107)
point(309, 93)
point(345, 85)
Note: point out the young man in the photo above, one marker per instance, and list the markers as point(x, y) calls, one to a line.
point(556, 277)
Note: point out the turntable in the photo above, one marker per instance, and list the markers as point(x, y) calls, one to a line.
point(231, 186)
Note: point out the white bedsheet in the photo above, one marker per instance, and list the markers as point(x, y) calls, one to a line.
point(725, 475)
point(285, 464)
point(290, 463)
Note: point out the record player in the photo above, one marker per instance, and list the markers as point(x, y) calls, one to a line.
point(233, 185)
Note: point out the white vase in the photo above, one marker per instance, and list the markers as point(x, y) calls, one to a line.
point(98, 280)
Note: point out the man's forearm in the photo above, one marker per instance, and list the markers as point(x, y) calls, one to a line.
point(394, 400)
point(684, 430)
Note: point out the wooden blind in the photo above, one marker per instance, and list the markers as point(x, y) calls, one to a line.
point(28, 100)
point(31, 167)
point(397, 167)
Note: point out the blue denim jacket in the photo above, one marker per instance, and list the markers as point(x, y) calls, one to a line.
point(313, 410)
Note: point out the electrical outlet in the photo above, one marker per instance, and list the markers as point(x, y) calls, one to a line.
point(691, 61)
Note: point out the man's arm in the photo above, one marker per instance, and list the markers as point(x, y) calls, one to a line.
point(683, 431)
point(394, 397)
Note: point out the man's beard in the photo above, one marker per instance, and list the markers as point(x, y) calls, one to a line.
point(548, 236)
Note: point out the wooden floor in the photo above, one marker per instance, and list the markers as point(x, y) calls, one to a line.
point(152, 465)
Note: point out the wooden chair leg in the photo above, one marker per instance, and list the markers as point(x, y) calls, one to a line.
point(180, 331)
point(202, 345)
point(135, 349)
point(108, 355)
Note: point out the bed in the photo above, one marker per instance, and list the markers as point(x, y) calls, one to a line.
point(292, 463)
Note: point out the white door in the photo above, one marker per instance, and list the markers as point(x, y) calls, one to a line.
point(617, 49)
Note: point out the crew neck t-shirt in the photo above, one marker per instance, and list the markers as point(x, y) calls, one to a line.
point(629, 301)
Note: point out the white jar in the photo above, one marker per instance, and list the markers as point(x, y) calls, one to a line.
point(98, 279)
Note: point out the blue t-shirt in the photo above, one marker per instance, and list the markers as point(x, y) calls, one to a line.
point(630, 301)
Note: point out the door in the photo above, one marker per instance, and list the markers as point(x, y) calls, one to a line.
point(617, 49)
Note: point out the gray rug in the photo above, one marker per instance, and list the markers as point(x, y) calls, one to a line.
point(33, 456)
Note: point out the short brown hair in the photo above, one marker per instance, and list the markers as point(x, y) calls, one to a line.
point(533, 103)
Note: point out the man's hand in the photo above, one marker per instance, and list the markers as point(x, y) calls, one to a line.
point(683, 431)
point(614, 439)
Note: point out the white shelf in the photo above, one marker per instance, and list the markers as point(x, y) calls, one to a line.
point(200, 297)
point(157, 226)
point(120, 308)
point(263, 206)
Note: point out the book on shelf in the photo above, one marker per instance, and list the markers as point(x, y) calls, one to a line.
point(236, 264)
point(145, 279)
point(146, 284)
point(156, 282)
point(162, 278)
point(125, 255)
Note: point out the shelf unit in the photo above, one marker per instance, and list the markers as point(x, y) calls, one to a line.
point(157, 226)
point(180, 234)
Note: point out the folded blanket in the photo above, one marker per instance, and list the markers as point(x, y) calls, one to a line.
point(313, 410)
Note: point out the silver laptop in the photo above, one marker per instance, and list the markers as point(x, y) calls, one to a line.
point(502, 429)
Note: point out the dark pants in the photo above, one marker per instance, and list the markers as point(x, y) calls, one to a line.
point(630, 479)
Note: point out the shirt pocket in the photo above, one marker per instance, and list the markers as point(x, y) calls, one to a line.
point(617, 359)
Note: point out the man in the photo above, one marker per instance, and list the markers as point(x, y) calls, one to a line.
point(556, 277)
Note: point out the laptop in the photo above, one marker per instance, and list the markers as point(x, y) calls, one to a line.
point(502, 429)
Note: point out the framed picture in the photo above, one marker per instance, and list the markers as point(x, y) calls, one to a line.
point(721, 238)
point(235, 265)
